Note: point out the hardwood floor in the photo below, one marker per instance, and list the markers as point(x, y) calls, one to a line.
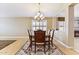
point(16, 46)
point(13, 48)
point(64, 49)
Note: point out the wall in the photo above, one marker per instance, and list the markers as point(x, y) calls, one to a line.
point(76, 39)
point(66, 36)
point(49, 23)
point(17, 26)
point(54, 20)
point(76, 44)
point(61, 35)
point(14, 25)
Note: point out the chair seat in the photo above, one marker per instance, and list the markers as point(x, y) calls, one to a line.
point(40, 43)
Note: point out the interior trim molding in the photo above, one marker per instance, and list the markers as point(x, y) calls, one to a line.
point(63, 44)
point(13, 36)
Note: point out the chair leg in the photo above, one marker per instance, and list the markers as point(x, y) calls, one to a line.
point(52, 46)
point(31, 43)
point(49, 47)
point(35, 48)
point(51, 43)
point(31, 46)
point(44, 49)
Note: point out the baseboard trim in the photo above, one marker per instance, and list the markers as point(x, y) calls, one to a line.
point(13, 36)
point(76, 50)
point(63, 44)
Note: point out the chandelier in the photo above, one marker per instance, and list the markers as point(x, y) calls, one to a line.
point(39, 15)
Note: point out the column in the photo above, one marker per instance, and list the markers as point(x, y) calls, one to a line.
point(69, 26)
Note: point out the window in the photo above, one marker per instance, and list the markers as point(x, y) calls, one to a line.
point(39, 24)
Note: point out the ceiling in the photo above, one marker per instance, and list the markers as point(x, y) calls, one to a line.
point(29, 9)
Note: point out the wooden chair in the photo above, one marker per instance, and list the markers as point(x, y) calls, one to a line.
point(40, 39)
point(49, 40)
point(51, 37)
point(30, 37)
point(49, 31)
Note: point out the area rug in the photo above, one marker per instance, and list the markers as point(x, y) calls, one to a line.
point(4, 43)
point(26, 50)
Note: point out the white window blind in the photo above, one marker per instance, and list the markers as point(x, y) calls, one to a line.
point(36, 25)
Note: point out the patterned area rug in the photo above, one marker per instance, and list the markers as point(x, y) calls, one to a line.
point(26, 50)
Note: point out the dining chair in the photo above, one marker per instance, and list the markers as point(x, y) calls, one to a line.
point(30, 37)
point(40, 39)
point(51, 37)
point(48, 39)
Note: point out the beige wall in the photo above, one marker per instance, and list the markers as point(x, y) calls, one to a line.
point(19, 25)
point(69, 26)
point(54, 20)
point(49, 23)
point(14, 25)
point(76, 39)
